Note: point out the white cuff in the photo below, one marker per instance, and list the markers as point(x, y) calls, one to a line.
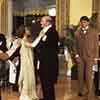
point(37, 40)
point(12, 50)
point(96, 59)
point(1, 51)
point(76, 56)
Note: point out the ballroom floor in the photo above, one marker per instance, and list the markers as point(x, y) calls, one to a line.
point(63, 91)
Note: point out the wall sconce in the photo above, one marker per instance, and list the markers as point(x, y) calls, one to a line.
point(52, 11)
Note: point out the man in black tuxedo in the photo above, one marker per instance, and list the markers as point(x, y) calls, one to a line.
point(48, 58)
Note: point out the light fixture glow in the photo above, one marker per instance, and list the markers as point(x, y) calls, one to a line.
point(52, 12)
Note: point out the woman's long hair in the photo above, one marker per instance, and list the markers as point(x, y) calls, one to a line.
point(21, 31)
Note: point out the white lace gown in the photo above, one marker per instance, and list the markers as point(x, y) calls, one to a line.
point(26, 82)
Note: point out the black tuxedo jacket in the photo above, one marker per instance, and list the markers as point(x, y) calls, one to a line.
point(48, 55)
point(3, 46)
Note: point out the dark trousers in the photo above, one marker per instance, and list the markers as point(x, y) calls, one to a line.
point(48, 89)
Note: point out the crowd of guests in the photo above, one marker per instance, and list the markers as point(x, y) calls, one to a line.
point(20, 56)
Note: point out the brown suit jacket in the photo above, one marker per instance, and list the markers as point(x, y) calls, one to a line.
point(87, 43)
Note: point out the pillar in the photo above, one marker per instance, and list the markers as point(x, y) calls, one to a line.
point(96, 9)
point(5, 17)
point(1, 2)
point(10, 17)
point(62, 14)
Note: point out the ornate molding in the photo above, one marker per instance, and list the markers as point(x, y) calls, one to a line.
point(31, 12)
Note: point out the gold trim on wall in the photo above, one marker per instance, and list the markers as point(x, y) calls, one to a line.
point(32, 12)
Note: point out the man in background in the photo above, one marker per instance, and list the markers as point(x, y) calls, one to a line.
point(87, 55)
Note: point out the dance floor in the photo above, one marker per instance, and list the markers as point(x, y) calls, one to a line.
point(63, 91)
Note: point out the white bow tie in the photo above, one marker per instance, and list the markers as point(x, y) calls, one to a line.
point(1, 43)
point(85, 30)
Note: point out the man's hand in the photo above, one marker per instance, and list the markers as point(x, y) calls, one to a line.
point(77, 58)
point(3, 56)
point(95, 60)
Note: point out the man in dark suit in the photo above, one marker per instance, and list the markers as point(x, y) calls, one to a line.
point(48, 58)
point(87, 55)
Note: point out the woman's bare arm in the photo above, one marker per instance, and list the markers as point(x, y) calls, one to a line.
point(34, 43)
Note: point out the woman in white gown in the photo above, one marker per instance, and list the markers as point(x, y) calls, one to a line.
point(27, 86)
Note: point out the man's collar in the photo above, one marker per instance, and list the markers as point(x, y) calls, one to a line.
point(46, 28)
point(85, 28)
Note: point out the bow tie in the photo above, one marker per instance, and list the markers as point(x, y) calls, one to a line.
point(85, 30)
point(1, 43)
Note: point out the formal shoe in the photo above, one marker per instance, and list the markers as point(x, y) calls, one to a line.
point(80, 94)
